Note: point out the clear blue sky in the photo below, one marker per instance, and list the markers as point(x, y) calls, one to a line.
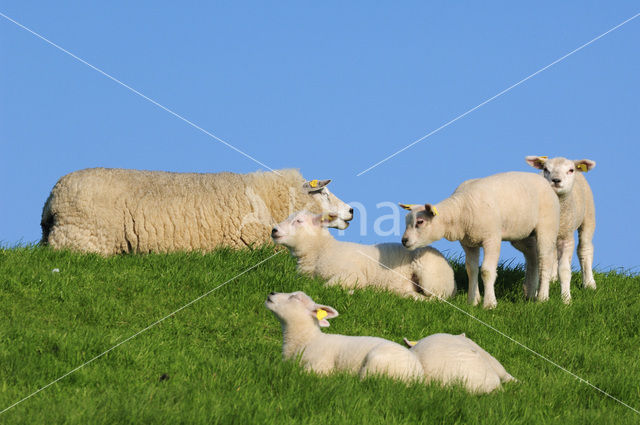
point(330, 88)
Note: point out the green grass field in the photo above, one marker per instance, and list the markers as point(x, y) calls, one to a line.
point(219, 359)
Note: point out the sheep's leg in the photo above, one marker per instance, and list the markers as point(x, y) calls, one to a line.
point(489, 271)
point(471, 259)
point(530, 251)
point(546, 245)
point(565, 252)
point(585, 255)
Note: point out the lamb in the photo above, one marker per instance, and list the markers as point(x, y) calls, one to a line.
point(514, 206)
point(422, 274)
point(111, 211)
point(577, 212)
point(450, 358)
point(301, 319)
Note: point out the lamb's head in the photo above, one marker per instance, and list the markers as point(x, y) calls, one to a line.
point(298, 308)
point(560, 172)
point(301, 227)
point(322, 200)
point(423, 226)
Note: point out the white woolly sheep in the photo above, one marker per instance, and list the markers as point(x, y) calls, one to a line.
point(301, 320)
point(421, 274)
point(577, 212)
point(450, 358)
point(514, 206)
point(111, 211)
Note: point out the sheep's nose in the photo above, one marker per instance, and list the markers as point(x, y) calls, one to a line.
point(351, 211)
point(274, 231)
point(404, 241)
point(272, 293)
point(556, 180)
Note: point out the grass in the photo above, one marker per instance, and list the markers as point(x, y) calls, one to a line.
point(219, 359)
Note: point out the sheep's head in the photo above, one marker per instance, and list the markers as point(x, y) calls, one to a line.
point(423, 226)
point(299, 308)
point(560, 172)
point(302, 226)
point(328, 203)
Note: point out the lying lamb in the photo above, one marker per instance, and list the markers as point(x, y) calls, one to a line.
point(517, 207)
point(301, 320)
point(577, 212)
point(450, 358)
point(421, 274)
point(111, 211)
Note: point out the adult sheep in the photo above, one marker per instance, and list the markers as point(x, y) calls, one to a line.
point(110, 211)
point(577, 212)
point(514, 206)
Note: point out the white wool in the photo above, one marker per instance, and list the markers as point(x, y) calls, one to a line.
point(577, 212)
point(448, 358)
point(110, 211)
point(325, 353)
point(420, 274)
point(514, 206)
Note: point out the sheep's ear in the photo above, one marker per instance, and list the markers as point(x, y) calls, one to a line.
point(536, 161)
point(323, 313)
point(430, 210)
point(584, 165)
point(313, 185)
point(409, 343)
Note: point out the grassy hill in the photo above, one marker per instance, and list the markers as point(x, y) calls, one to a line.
point(219, 361)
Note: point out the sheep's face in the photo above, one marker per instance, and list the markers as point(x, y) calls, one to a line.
point(423, 227)
point(328, 203)
point(300, 227)
point(298, 308)
point(560, 172)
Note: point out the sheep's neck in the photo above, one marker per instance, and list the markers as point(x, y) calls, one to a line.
point(450, 214)
point(296, 337)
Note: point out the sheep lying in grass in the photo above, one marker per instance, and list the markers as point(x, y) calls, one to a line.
point(301, 320)
point(577, 212)
point(421, 274)
point(450, 358)
point(517, 207)
point(111, 211)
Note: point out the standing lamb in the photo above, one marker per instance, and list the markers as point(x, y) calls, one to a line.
point(421, 274)
point(577, 212)
point(514, 206)
point(450, 358)
point(301, 320)
point(111, 211)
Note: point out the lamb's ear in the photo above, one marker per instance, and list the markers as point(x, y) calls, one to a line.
point(324, 219)
point(323, 313)
point(313, 185)
point(430, 210)
point(584, 165)
point(536, 161)
point(409, 343)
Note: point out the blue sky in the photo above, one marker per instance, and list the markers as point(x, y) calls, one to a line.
point(330, 88)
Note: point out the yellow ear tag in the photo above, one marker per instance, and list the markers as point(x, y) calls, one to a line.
point(321, 314)
point(407, 206)
point(412, 343)
point(543, 157)
point(582, 167)
point(435, 211)
point(313, 183)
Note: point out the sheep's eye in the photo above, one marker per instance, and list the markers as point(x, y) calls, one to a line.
point(419, 222)
point(299, 220)
point(545, 169)
point(571, 171)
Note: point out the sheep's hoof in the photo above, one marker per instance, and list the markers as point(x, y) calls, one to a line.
point(566, 298)
point(590, 285)
point(543, 298)
point(474, 301)
point(490, 305)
